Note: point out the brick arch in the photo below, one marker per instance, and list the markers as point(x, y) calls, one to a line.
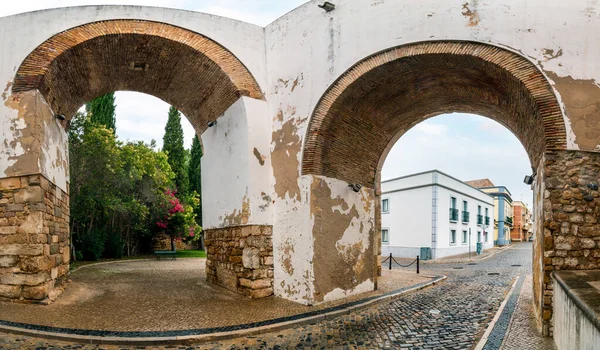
point(382, 96)
point(184, 68)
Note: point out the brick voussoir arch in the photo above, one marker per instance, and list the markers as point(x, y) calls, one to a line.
point(528, 80)
point(229, 76)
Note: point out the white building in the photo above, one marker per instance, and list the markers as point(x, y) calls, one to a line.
point(432, 213)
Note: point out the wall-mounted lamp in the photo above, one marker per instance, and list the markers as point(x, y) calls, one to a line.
point(212, 123)
point(355, 187)
point(327, 6)
point(529, 179)
point(60, 117)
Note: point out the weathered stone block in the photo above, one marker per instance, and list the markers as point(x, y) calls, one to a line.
point(38, 292)
point(15, 207)
point(251, 258)
point(10, 292)
point(256, 284)
point(10, 183)
point(35, 264)
point(8, 261)
point(30, 194)
point(8, 230)
point(21, 249)
point(25, 279)
point(261, 293)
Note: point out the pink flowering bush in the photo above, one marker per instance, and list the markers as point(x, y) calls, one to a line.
point(177, 219)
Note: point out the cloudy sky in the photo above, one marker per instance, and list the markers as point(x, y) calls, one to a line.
point(464, 146)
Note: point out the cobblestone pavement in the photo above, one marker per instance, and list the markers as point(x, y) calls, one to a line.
point(452, 315)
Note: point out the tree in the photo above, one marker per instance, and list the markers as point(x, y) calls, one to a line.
point(194, 174)
point(173, 146)
point(101, 111)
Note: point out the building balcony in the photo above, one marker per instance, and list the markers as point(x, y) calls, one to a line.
point(508, 220)
point(487, 220)
point(479, 219)
point(465, 216)
point(453, 214)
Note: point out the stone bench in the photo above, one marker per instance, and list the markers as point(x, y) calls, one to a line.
point(165, 253)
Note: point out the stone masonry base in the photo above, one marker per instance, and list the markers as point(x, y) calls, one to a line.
point(240, 258)
point(34, 239)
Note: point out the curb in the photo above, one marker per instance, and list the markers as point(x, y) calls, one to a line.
point(206, 334)
point(481, 344)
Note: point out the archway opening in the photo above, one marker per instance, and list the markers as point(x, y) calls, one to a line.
point(371, 105)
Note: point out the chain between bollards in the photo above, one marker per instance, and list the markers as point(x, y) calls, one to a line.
point(391, 258)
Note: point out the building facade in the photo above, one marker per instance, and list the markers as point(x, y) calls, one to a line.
point(522, 229)
point(433, 215)
point(503, 209)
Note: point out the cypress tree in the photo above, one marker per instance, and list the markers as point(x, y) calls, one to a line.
point(173, 146)
point(194, 174)
point(102, 111)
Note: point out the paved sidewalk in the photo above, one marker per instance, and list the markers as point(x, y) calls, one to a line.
point(523, 333)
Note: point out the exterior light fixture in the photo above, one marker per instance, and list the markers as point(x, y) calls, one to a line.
point(60, 117)
point(212, 123)
point(529, 179)
point(327, 6)
point(355, 187)
point(138, 66)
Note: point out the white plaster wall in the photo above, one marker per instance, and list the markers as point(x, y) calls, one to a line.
point(572, 328)
point(409, 218)
point(332, 42)
point(231, 174)
point(11, 128)
point(444, 248)
point(316, 47)
point(54, 160)
point(21, 34)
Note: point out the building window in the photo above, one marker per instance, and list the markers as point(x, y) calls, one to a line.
point(453, 210)
point(385, 205)
point(465, 214)
point(385, 236)
point(478, 236)
point(485, 236)
point(464, 237)
point(452, 236)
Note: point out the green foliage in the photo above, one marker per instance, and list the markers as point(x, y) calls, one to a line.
point(92, 245)
point(191, 254)
point(194, 175)
point(102, 111)
point(173, 147)
point(120, 191)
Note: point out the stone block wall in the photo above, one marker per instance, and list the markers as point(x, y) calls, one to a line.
point(571, 232)
point(34, 239)
point(240, 258)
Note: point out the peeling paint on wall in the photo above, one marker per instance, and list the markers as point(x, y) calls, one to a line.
point(238, 217)
point(471, 13)
point(581, 100)
point(342, 234)
point(285, 162)
point(260, 157)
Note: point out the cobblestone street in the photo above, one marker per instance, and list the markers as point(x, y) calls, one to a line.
point(451, 315)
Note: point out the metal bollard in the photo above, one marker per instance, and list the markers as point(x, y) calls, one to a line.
point(417, 264)
point(390, 261)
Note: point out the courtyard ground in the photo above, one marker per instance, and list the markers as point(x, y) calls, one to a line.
point(451, 315)
point(167, 295)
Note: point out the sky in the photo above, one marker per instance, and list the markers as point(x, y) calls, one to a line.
point(462, 145)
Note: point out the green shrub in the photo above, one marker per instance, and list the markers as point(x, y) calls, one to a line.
point(92, 245)
point(113, 248)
